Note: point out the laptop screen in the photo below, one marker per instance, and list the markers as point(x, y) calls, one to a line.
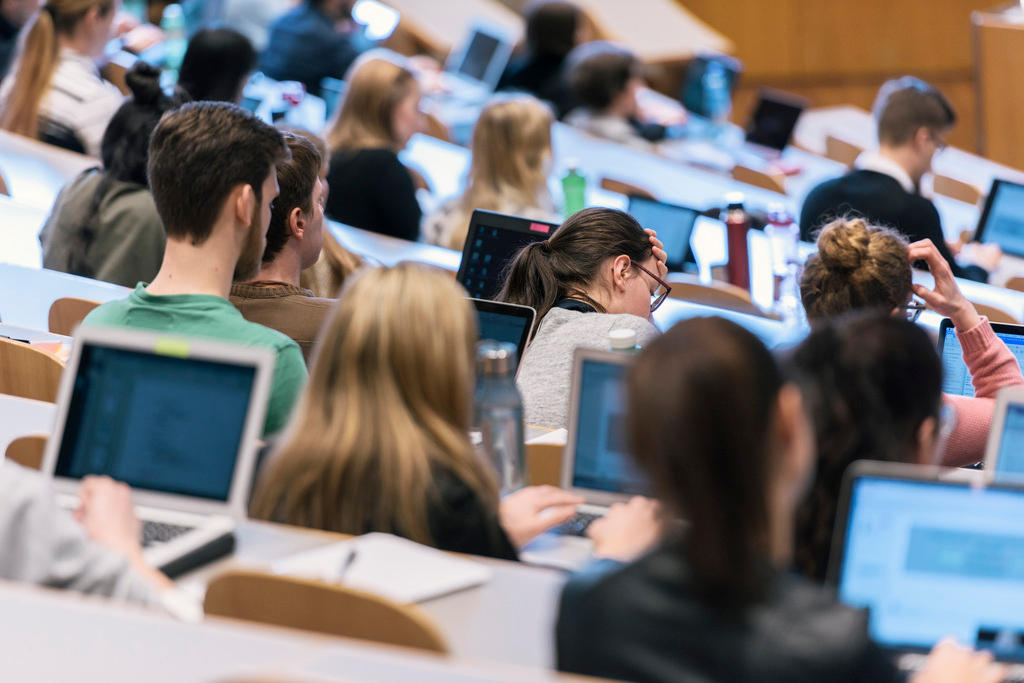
point(478, 55)
point(936, 559)
point(492, 241)
point(601, 460)
point(674, 225)
point(504, 323)
point(956, 379)
point(1002, 220)
point(773, 121)
point(1010, 458)
point(159, 423)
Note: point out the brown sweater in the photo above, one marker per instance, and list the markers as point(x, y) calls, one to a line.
point(288, 309)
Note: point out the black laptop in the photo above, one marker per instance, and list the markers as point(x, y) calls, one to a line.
point(493, 239)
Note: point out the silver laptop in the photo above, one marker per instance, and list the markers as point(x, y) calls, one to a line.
point(473, 69)
point(1004, 454)
point(176, 419)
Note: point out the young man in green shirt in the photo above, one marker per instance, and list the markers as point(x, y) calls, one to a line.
point(213, 178)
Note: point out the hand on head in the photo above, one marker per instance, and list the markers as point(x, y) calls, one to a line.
point(953, 663)
point(659, 253)
point(108, 515)
point(533, 510)
point(628, 530)
point(946, 299)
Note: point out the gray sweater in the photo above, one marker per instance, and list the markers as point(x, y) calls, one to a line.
point(547, 364)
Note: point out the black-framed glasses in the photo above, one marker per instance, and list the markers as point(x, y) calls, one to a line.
point(913, 310)
point(661, 293)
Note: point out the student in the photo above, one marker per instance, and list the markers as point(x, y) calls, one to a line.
point(509, 173)
point(211, 172)
point(217, 65)
point(380, 441)
point(553, 29)
point(54, 91)
point(306, 44)
point(727, 446)
point(253, 18)
point(600, 271)
point(294, 241)
point(860, 266)
point(13, 15)
point(104, 224)
point(884, 188)
point(370, 188)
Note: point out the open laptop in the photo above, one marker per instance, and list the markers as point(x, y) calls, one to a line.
point(491, 242)
point(1002, 220)
point(1004, 454)
point(930, 559)
point(177, 420)
point(503, 322)
point(674, 225)
point(771, 125)
point(473, 69)
point(956, 380)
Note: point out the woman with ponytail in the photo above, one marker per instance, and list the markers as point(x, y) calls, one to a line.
point(104, 224)
point(54, 91)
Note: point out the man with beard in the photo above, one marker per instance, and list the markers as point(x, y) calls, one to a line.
point(212, 173)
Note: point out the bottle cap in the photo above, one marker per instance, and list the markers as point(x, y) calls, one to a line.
point(619, 340)
point(734, 200)
point(572, 163)
point(495, 358)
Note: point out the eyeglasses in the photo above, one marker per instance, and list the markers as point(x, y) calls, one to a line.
point(940, 144)
point(661, 293)
point(913, 310)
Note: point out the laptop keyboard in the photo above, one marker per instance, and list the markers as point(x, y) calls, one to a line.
point(161, 532)
point(914, 662)
point(577, 524)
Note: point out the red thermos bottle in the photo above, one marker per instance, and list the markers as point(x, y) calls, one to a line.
point(737, 223)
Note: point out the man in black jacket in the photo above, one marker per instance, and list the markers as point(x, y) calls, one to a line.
point(884, 187)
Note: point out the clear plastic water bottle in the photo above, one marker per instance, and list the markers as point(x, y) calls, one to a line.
point(574, 188)
point(499, 413)
point(784, 237)
point(623, 340)
point(175, 42)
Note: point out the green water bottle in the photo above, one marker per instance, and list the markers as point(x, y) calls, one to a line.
point(574, 188)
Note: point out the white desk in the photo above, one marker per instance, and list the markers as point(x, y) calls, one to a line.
point(27, 293)
point(19, 233)
point(35, 171)
point(23, 417)
point(391, 250)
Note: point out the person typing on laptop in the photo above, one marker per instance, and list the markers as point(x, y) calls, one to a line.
point(726, 443)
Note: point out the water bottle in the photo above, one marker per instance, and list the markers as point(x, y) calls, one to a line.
point(574, 188)
point(175, 43)
point(499, 413)
point(623, 341)
point(737, 223)
point(784, 237)
point(715, 86)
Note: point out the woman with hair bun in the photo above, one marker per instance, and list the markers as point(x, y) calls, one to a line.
point(104, 224)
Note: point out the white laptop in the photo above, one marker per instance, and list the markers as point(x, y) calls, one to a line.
point(176, 419)
point(595, 464)
point(473, 69)
point(1004, 454)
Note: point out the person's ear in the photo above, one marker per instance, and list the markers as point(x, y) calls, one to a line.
point(244, 204)
point(927, 441)
point(297, 223)
point(795, 438)
point(922, 137)
point(620, 270)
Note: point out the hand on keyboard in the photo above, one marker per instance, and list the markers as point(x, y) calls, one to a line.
point(108, 515)
point(953, 663)
point(628, 530)
point(533, 510)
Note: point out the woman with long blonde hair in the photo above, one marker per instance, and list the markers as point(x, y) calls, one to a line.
point(511, 155)
point(54, 91)
point(370, 188)
point(380, 441)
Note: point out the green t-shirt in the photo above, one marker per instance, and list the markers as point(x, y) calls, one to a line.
point(204, 315)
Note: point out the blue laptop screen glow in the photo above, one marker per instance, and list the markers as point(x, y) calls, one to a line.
point(601, 461)
point(1005, 222)
point(956, 379)
point(501, 327)
point(932, 560)
point(674, 225)
point(159, 423)
point(1010, 460)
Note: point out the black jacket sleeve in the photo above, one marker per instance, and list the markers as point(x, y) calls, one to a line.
point(460, 522)
point(928, 225)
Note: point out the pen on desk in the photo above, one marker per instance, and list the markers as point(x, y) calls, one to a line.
point(347, 564)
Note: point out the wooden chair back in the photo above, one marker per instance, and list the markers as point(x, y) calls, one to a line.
point(3, 186)
point(957, 189)
point(628, 189)
point(776, 182)
point(717, 294)
point(544, 464)
point(995, 314)
point(419, 181)
point(322, 607)
point(1016, 283)
point(28, 372)
point(435, 127)
point(27, 451)
point(842, 151)
point(67, 312)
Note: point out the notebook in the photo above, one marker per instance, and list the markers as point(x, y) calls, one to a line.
point(956, 380)
point(674, 225)
point(1004, 454)
point(503, 322)
point(176, 419)
point(1002, 220)
point(492, 241)
point(931, 559)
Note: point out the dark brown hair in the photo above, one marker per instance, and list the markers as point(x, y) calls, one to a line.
point(565, 264)
point(857, 266)
point(702, 399)
point(904, 105)
point(296, 177)
point(597, 72)
point(198, 154)
point(868, 384)
point(551, 27)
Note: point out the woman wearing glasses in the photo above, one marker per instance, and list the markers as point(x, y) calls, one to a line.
point(860, 266)
point(600, 271)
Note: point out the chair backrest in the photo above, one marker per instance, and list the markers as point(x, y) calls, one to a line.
point(628, 189)
point(995, 314)
point(957, 189)
point(419, 181)
point(28, 372)
point(776, 182)
point(544, 464)
point(842, 151)
point(3, 186)
point(322, 607)
point(1016, 283)
point(436, 128)
point(67, 312)
point(717, 294)
point(27, 451)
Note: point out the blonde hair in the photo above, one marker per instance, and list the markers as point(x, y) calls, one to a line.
point(384, 408)
point(377, 83)
point(857, 266)
point(38, 56)
point(511, 140)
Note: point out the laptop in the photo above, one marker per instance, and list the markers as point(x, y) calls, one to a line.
point(491, 243)
point(503, 322)
point(176, 419)
point(773, 121)
point(930, 559)
point(1002, 219)
point(956, 380)
point(722, 71)
point(674, 225)
point(473, 69)
point(1004, 454)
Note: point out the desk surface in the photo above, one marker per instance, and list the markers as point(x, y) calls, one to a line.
point(35, 171)
point(23, 417)
point(19, 232)
point(27, 293)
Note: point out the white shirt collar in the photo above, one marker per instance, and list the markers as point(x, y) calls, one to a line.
point(81, 61)
point(873, 161)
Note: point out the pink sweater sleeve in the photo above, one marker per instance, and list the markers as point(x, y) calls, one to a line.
point(992, 367)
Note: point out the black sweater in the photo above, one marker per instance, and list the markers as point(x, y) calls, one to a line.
point(372, 190)
point(881, 200)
